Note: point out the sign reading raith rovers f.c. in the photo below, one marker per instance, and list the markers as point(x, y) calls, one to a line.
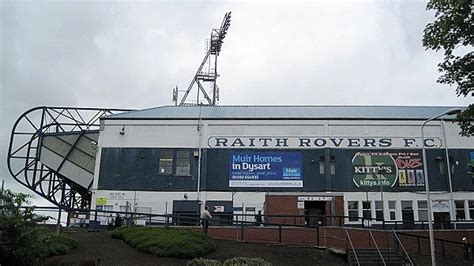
point(374, 169)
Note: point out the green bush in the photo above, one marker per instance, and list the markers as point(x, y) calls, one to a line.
point(22, 240)
point(244, 261)
point(59, 244)
point(204, 262)
point(178, 243)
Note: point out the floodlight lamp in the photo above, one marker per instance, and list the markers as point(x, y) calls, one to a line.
point(454, 111)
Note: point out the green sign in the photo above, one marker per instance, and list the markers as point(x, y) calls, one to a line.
point(374, 169)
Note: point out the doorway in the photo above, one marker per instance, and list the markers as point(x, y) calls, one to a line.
point(314, 211)
point(441, 220)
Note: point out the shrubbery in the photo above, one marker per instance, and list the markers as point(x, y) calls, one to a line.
point(238, 261)
point(22, 241)
point(204, 262)
point(244, 261)
point(178, 243)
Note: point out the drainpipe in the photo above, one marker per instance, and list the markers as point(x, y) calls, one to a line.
point(199, 129)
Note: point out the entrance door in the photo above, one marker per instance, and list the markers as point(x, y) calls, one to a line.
point(314, 210)
point(441, 220)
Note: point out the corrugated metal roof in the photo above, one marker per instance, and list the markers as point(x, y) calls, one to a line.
point(287, 112)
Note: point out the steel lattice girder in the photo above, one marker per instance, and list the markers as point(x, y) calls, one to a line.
point(24, 152)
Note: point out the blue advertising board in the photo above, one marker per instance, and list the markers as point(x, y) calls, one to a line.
point(265, 169)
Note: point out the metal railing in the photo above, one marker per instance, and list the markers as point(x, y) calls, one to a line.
point(420, 245)
point(352, 246)
point(377, 247)
point(400, 244)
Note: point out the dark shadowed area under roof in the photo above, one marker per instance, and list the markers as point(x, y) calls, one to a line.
point(287, 112)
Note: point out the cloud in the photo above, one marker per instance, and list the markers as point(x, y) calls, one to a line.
point(131, 55)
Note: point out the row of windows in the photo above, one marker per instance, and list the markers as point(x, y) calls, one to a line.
point(353, 207)
point(123, 208)
point(464, 210)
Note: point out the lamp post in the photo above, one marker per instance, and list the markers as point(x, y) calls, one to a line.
point(452, 212)
point(427, 185)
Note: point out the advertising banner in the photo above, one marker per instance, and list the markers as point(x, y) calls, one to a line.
point(387, 169)
point(265, 169)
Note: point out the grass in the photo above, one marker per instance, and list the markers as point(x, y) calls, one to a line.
point(177, 243)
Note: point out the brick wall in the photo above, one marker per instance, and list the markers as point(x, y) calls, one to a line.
point(288, 205)
point(282, 205)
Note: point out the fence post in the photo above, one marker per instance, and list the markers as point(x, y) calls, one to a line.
point(444, 251)
point(279, 233)
point(418, 243)
point(317, 236)
point(242, 231)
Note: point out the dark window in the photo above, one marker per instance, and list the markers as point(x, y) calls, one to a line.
point(183, 163)
point(166, 162)
point(442, 166)
point(392, 208)
point(366, 210)
point(422, 210)
point(379, 210)
point(460, 213)
point(353, 207)
point(471, 208)
point(407, 210)
point(321, 165)
point(333, 165)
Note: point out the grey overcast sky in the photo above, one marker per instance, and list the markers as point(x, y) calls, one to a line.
point(131, 54)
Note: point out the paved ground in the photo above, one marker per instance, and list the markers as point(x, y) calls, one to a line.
point(98, 248)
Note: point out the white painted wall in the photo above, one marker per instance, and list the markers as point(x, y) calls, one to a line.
point(183, 133)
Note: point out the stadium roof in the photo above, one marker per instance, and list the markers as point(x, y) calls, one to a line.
point(287, 112)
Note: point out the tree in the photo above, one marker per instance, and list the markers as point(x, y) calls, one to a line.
point(21, 241)
point(453, 32)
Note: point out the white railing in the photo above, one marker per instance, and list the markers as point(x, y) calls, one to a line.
point(352, 246)
point(403, 248)
point(377, 247)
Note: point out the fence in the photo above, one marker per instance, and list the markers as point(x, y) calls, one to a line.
point(419, 244)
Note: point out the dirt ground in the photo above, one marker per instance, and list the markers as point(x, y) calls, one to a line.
point(98, 248)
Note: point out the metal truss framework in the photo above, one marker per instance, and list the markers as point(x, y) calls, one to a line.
point(23, 157)
point(208, 75)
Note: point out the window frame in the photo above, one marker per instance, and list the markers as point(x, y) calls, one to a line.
point(470, 206)
point(392, 210)
point(177, 159)
point(161, 159)
point(350, 209)
point(422, 210)
point(367, 210)
point(379, 209)
point(456, 208)
point(174, 162)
